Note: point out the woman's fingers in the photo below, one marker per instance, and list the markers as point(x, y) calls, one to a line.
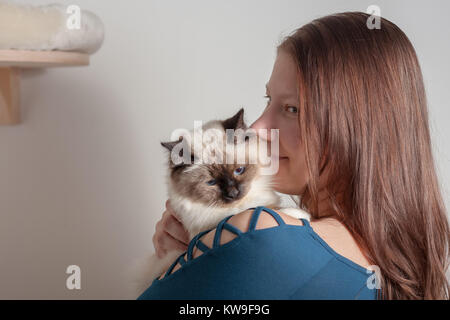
point(171, 223)
point(165, 242)
point(174, 228)
point(169, 233)
point(173, 244)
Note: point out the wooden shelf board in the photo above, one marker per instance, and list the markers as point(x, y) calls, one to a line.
point(42, 59)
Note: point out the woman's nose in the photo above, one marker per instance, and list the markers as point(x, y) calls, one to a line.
point(263, 123)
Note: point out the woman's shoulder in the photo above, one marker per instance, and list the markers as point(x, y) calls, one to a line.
point(336, 235)
point(330, 230)
point(326, 232)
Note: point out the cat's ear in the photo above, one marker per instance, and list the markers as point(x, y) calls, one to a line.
point(235, 122)
point(170, 144)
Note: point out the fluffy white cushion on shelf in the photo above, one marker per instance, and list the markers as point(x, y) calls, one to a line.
point(26, 27)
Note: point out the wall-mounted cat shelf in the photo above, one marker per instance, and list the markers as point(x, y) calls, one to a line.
point(11, 61)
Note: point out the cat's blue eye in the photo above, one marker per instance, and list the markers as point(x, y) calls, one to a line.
point(211, 182)
point(239, 171)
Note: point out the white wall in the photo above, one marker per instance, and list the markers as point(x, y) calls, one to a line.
point(82, 176)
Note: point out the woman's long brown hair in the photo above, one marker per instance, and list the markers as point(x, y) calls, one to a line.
point(363, 116)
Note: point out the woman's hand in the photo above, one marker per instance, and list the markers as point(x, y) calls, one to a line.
point(169, 233)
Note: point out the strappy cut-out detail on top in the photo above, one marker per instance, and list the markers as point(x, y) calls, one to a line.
point(223, 224)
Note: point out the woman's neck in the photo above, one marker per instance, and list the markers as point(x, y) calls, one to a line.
point(326, 208)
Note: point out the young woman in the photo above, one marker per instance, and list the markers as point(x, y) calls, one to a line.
point(355, 146)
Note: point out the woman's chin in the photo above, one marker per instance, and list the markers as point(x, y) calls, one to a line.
point(283, 166)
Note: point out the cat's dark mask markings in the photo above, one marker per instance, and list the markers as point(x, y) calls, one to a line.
point(218, 184)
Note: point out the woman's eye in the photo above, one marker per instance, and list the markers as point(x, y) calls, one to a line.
point(239, 171)
point(291, 109)
point(211, 182)
point(267, 97)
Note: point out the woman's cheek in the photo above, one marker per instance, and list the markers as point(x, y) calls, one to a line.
point(287, 180)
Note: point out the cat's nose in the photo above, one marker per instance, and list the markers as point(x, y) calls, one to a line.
point(231, 193)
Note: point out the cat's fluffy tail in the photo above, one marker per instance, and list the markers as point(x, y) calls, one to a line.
point(143, 271)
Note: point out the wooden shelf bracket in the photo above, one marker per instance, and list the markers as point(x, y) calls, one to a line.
point(9, 96)
point(11, 61)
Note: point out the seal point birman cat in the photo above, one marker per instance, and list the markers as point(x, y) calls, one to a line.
point(205, 187)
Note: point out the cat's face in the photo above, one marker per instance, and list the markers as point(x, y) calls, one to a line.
point(214, 184)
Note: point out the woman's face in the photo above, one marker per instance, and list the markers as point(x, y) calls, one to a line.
point(281, 113)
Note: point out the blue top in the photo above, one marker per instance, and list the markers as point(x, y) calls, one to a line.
point(281, 262)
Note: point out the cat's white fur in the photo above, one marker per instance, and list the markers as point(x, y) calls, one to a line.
point(197, 217)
